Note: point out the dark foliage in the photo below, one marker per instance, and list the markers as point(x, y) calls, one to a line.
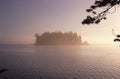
point(58, 38)
point(117, 39)
point(98, 16)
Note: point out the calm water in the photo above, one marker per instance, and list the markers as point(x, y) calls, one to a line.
point(60, 62)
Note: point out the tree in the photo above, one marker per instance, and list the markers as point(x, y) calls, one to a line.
point(106, 5)
point(58, 38)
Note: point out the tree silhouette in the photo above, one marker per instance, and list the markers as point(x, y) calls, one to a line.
point(96, 17)
point(58, 38)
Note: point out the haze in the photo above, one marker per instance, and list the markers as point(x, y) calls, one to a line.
point(21, 19)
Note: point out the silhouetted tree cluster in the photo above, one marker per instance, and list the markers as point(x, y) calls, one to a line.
point(106, 5)
point(58, 38)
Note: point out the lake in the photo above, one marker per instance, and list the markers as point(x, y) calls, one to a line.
point(60, 62)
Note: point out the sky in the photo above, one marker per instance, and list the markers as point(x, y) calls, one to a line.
point(21, 19)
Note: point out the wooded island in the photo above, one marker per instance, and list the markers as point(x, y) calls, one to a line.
point(58, 38)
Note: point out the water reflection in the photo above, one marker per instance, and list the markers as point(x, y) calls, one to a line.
point(60, 62)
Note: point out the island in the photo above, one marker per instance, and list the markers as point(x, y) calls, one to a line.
point(58, 38)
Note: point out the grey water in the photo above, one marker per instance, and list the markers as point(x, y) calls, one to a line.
point(60, 62)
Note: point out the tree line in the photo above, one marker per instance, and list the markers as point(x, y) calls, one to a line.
point(58, 38)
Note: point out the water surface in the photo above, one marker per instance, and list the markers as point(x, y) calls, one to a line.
point(60, 62)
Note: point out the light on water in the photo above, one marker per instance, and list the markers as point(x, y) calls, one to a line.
point(60, 62)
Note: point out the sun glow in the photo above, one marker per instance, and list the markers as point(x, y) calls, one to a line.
point(24, 21)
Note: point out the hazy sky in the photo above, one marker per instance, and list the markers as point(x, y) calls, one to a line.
point(21, 19)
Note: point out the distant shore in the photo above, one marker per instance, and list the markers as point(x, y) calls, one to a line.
point(59, 38)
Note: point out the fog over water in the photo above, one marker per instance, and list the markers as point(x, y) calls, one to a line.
point(60, 62)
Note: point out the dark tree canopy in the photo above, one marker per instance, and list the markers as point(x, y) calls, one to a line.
point(96, 17)
point(58, 38)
